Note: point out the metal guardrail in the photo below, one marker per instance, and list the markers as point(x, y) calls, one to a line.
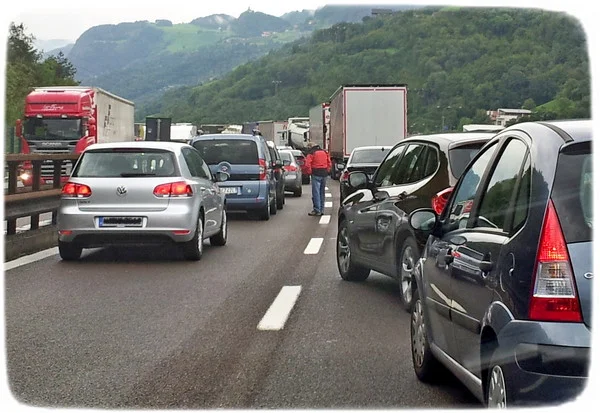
point(36, 199)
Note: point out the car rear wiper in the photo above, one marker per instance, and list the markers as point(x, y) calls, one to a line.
point(132, 174)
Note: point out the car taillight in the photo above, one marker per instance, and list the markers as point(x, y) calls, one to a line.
point(71, 189)
point(554, 293)
point(173, 189)
point(439, 200)
point(262, 170)
point(345, 175)
point(290, 168)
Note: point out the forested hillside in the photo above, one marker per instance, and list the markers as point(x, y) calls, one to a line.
point(457, 63)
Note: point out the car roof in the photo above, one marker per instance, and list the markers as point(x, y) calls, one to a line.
point(360, 148)
point(172, 146)
point(580, 130)
point(452, 139)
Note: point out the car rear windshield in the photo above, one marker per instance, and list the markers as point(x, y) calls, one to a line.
point(234, 151)
point(286, 156)
point(369, 155)
point(572, 192)
point(119, 162)
point(460, 156)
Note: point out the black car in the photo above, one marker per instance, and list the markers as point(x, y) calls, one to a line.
point(373, 230)
point(503, 293)
point(363, 158)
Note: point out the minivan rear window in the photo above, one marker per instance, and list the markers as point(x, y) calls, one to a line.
point(234, 151)
point(369, 155)
point(460, 156)
point(572, 192)
point(125, 162)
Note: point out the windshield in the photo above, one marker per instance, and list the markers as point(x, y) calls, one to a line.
point(234, 151)
point(369, 155)
point(461, 156)
point(52, 129)
point(125, 163)
point(572, 192)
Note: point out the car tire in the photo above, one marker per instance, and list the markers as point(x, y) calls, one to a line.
point(298, 192)
point(280, 200)
point(496, 392)
point(273, 205)
point(192, 249)
point(69, 251)
point(349, 271)
point(425, 365)
point(265, 213)
point(305, 179)
point(220, 238)
point(407, 260)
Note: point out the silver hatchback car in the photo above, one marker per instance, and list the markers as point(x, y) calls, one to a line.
point(132, 193)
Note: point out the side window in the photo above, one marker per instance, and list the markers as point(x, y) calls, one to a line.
point(459, 211)
point(200, 165)
point(384, 172)
point(405, 167)
point(426, 165)
point(495, 205)
point(187, 155)
point(522, 203)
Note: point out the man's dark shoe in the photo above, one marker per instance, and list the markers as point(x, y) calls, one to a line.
point(319, 214)
point(313, 213)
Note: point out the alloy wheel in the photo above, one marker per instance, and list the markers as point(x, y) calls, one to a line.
point(418, 334)
point(343, 250)
point(497, 388)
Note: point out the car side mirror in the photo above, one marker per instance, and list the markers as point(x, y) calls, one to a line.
point(340, 166)
point(277, 163)
point(221, 176)
point(358, 180)
point(423, 220)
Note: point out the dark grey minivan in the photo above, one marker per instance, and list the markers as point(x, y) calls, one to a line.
point(504, 287)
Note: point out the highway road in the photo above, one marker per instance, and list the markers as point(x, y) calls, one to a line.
point(264, 322)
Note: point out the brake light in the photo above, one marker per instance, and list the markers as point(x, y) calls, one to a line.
point(439, 200)
point(290, 168)
point(173, 189)
point(345, 175)
point(71, 189)
point(554, 293)
point(262, 170)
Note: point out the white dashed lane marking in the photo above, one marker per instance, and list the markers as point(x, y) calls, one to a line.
point(278, 313)
point(325, 219)
point(313, 246)
point(328, 204)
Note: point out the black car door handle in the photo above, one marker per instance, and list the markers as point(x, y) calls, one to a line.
point(486, 266)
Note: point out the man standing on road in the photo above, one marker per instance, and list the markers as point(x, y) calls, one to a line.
point(318, 167)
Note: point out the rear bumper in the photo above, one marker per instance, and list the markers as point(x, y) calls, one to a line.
point(246, 204)
point(176, 223)
point(544, 363)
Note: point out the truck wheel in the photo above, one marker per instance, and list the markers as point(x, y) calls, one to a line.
point(220, 238)
point(192, 249)
point(69, 251)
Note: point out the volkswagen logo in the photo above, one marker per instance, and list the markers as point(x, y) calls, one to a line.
point(224, 168)
point(121, 191)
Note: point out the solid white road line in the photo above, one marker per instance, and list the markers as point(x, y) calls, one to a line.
point(325, 219)
point(278, 313)
point(328, 204)
point(313, 246)
point(327, 195)
point(28, 259)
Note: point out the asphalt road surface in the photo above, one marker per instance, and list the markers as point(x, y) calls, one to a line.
point(143, 328)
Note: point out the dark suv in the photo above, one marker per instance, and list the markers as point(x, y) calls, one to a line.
point(504, 288)
point(373, 230)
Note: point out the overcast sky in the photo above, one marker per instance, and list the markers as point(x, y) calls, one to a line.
point(68, 19)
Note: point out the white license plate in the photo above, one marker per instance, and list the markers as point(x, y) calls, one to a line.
point(120, 222)
point(229, 190)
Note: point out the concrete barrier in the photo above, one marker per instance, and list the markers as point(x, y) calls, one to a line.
point(29, 242)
